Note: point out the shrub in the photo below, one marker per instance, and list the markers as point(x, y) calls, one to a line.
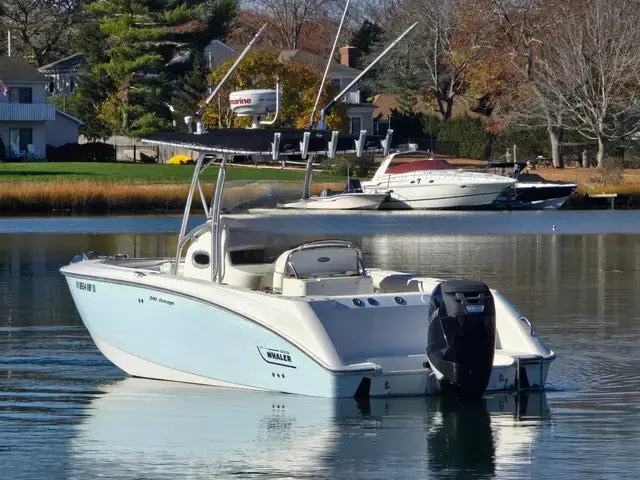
point(468, 132)
point(611, 171)
point(343, 165)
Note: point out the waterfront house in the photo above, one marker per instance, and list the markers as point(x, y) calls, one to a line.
point(27, 123)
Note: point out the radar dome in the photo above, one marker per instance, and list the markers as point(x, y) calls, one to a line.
point(253, 102)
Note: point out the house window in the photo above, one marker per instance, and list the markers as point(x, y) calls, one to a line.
point(355, 124)
point(21, 137)
point(335, 83)
point(19, 94)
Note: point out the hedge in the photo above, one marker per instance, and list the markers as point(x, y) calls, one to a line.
point(468, 132)
point(82, 152)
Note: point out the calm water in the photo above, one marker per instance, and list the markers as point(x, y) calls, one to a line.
point(66, 412)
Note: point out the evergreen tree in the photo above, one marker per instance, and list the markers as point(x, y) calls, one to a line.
point(365, 40)
point(142, 37)
point(192, 89)
point(133, 60)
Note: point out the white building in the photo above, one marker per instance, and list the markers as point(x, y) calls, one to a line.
point(359, 111)
point(27, 123)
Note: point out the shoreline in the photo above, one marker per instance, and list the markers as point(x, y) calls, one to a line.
point(81, 196)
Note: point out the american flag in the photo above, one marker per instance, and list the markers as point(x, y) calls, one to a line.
point(3, 88)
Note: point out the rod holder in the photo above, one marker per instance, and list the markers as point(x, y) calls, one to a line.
point(275, 146)
point(304, 144)
point(360, 143)
point(386, 143)
point(333, 145)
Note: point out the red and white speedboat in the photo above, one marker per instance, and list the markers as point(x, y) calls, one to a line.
point(436, 184)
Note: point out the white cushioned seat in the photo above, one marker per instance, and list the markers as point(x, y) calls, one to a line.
point(315, 262)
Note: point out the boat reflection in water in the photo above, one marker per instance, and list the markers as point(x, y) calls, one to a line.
point(149, 428)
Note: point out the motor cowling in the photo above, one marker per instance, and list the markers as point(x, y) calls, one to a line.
point(461, 336)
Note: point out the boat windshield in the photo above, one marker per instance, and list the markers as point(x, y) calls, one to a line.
point(420, 165)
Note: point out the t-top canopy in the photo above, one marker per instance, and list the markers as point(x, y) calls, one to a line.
point(242, 141)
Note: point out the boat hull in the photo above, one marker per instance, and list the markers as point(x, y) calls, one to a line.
point(536, 196)
point(153, 334)
point(452, 197)
point(344, 201)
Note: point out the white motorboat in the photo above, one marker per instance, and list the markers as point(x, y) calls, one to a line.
point(249, 309)
point(244, 308)
point(352, 198)
point(433, 184)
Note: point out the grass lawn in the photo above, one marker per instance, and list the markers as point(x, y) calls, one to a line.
point(141, 173)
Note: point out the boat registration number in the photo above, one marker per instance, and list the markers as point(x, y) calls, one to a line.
point(88, 287)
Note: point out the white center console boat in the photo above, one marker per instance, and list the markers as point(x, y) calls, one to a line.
point(246, 309)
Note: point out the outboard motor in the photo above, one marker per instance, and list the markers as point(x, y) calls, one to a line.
point(461, 336)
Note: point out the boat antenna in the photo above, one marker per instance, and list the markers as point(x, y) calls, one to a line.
point(325, 111)
point(329, 60)
point(199, 112)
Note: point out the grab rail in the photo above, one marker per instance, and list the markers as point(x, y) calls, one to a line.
point(322, 244)
point(532, 332)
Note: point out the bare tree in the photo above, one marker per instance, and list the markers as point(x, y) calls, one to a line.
point(591, 70)
point(428, 61)
point(287, 18)
point(42, 29)
point(521, 27)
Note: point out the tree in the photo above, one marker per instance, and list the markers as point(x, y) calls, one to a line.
point(428, 61)
point(192, 89)
point(143, 36)
point(518, 29)
point(43, 30)
point(287, 18)
point(366, 37)
point(591, 70)
point(258, 70)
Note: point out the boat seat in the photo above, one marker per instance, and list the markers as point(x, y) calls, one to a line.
point(326, 261)
point(249, 276)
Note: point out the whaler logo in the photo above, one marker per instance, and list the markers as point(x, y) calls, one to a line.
point(277, 357)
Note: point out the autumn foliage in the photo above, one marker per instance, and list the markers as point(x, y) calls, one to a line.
point(259, 69)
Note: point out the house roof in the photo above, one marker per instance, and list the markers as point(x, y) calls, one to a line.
point(70, 117)
point(68, 63)
point(385, 102)
point(316, 61)
point(302, 56)
point(14, 69)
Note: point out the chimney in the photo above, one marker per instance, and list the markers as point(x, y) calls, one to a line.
point(348, 56)
point(9, 52)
